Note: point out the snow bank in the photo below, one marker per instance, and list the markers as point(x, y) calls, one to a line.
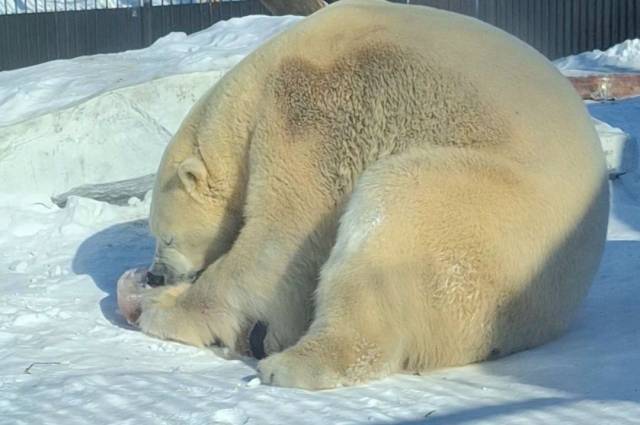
point(105, 118)
point(115, 136)
point(621, 58)
point(32, 91)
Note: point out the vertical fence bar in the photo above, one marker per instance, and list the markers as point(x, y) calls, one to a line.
point(568, 28)
point(616, 25)
point(637, 18)
point(4, 21)
point(633, 21)
point(146, 15)
point(605, 24)
point(35, 41)
point(626, 17)
point(560, 34)
point(16, 32)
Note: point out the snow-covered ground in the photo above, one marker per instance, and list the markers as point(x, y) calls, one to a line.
point(67, 356)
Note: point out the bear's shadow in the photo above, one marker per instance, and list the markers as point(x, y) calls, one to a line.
point(105, 255)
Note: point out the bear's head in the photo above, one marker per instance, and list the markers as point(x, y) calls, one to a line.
point(193, 222)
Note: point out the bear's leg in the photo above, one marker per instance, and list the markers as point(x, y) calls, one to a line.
point(356, 335)
point(350, 340)
point(270, 272)
point(408, 284)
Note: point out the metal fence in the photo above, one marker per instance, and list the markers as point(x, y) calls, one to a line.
point(71, 28)
point(56, 29)
point(556, 28)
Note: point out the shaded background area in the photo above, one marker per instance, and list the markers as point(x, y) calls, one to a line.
point(32, 38)
point(555, 27)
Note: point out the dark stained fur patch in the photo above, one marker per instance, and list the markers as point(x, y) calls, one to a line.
point(380, 100)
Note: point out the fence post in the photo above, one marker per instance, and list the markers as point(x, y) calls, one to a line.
point(147, 35)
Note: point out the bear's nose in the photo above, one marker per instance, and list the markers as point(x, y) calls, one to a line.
point(154, 279)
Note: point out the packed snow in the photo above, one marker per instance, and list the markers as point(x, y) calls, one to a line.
point(68, 356)
point(623, 58)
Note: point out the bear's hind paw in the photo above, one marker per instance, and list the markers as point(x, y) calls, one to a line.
point(287, 369)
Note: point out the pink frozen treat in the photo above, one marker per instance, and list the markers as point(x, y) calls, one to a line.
point(130, 287)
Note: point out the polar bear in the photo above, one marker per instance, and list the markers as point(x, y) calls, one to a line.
point(389, 188)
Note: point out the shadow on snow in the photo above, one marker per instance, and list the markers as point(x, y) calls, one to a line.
point(105, 255)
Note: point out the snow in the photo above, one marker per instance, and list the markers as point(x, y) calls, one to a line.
point(620, 148)
point(29, 92)
point(61, 121)
point(622, 58)
point(55, 152)
point(68, 357)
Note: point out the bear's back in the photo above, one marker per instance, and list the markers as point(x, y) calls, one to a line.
point(374, 78)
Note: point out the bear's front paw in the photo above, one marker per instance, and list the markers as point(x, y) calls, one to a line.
point(163, 316)
point(290, 369)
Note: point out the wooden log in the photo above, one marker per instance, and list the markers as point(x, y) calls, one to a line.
point(117, 193)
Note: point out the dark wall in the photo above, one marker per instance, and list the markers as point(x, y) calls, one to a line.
point(31, 38)
point(555, 27)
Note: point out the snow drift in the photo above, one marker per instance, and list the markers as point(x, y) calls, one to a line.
point(36, 90)
point(62, 121)
point(117, 135)
point(621, 58)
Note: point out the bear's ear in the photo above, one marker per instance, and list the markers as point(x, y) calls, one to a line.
point(193, 175)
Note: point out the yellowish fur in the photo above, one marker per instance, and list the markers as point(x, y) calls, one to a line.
point(389, 188)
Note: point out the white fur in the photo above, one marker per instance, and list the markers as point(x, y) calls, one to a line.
point(389, 188)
